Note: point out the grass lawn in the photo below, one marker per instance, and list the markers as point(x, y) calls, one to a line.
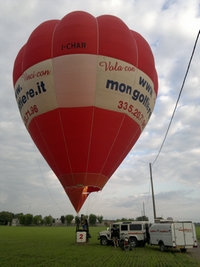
point(56, 246)
point(198, 233)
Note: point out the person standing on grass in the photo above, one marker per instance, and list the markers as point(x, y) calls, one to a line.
point(115, 235)
point(85, 227)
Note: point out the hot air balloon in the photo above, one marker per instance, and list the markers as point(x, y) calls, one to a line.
point(85, 88)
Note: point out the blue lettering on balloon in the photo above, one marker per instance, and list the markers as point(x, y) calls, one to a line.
point(30, 93)
point(136, 95)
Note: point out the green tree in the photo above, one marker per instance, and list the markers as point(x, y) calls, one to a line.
point(69, 218)
point(21, 218)
point(92, 219)
point(62, 218)
point(17, 215)
point(100, 219)
point(28, 219)
point(124, 219)
point(37, 219)
point(48, 220)
point(6, 217)
point(142, 218)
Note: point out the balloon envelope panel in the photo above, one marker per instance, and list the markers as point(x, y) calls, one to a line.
point(85, 88)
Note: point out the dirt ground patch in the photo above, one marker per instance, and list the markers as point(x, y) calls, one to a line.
point(194, 252)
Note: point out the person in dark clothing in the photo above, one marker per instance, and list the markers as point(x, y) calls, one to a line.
point(115, 235)
point(85, 227)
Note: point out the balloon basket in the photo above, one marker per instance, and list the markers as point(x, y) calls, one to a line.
point(81, 237)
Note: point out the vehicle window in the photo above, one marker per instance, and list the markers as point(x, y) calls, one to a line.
point(124, 227)
point(135, 227)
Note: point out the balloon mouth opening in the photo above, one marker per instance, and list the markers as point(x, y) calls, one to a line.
point(88, 189)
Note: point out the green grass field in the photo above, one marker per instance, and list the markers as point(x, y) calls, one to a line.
point(56, 247)
point(198, 233)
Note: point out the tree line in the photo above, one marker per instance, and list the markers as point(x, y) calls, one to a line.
point(69, 219)
point(6, 218)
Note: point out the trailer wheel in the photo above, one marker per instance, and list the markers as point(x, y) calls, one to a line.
point(162, 247)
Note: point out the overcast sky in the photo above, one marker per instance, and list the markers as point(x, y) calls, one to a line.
point(27, 183)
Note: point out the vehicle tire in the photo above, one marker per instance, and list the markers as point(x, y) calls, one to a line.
point(133, 242)
point(104, 241)
point(162, 247)
point(183, 249)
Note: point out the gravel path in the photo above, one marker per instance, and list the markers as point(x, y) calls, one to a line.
point(194, 252)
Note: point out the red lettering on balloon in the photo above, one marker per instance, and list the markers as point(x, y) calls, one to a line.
point(29, 76)
point(133, 112)
point(108, 66)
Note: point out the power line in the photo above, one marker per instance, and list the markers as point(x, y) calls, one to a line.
point(178, 97)
point(175, 105)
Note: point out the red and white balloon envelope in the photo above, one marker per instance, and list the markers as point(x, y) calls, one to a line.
point(85, 88)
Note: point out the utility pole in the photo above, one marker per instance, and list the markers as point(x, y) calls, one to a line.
point(143, 211)
point(153, 199)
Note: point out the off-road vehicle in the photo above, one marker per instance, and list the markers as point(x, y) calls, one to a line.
point(137, 231)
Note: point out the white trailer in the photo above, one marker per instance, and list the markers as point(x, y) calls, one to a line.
point(169, 234)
